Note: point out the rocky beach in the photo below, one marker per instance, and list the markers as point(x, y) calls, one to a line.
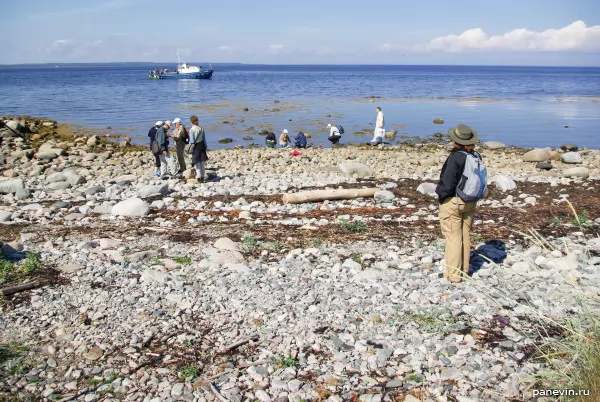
point(144, 289)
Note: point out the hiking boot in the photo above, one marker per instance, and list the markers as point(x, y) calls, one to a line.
point(201, 179)
point(157, 173)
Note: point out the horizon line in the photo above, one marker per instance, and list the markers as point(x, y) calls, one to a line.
point(297, 64)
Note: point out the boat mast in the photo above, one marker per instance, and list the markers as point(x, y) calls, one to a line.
point(178, 59)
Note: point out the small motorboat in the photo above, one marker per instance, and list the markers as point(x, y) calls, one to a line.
point(184, 71)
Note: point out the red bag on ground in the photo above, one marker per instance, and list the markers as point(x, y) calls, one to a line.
point(295, 153)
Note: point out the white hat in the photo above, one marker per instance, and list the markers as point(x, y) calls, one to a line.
point(168, 123)
point(176, 120)
point(329, 125)
point(285, 131)
point(158, 123)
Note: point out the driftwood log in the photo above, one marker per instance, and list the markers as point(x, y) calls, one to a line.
point(323, 195)
point(239, 343)
point(18, 288)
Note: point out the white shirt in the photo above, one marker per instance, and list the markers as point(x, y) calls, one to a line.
point(334, 131)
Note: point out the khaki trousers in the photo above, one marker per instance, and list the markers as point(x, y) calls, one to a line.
point(456, 220)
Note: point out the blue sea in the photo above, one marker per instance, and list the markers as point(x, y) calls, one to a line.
point(523, 106)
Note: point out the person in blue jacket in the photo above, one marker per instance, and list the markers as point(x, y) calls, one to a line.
point(300, 140)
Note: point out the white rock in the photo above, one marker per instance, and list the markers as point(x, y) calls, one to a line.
point(225, 243)
point(131, 207)
point(577, 172)
point(384, 196)
point(537, 155)
point(493, 145)
point(5, 216)
point(427, 189)
point(355, 169)
point(10, 186)
point(571, 157)
point(504, 183)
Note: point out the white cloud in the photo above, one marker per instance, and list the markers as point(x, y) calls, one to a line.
point(60, 46)
point(225, 48)
point(275, 47)
point(576, 36)
point(386, 47)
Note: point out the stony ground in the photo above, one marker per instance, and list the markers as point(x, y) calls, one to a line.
point(158, 290)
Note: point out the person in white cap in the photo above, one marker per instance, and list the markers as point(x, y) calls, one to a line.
point(167, 163)
point(335, 133)
point(152, 136)
point(284, 139)
point(180, 136)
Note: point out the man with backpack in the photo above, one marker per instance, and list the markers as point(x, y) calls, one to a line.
point(335, 133)
point(463, 182)
point(152, 136)
point(167, 163)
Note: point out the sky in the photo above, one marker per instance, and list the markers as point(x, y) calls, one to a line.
point(464, 32)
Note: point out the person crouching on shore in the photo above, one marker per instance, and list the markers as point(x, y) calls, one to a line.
point(335, 133)
point(463, 181)
point(152, 136)
point(300, 140)
point(284, 139)
point(180, 136)
point(270, 140)
point(166, 159)
point(198, 142)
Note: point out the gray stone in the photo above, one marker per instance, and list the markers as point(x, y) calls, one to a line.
point(355, 169)
point(56, 177)
point(142, 255)
point(577, 172)
point(69, 267)
point(46, 156)
point(61, 185)
point(10, 186)
point(225, 140)
point(537, 155)
point(571, 157)
point(493, 145)
point(177, 389)
point(105, 208)
point(59, 205)
point(22, 194)
point(148, 191)
point(94, 190)
point(131, 207)
point(5, 216)
point(152, 275)
point(504, 183)
point(73, 178)
point(569, 147)
point(544, 166)
point(384, 196)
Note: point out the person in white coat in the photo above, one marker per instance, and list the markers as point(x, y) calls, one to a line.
point(379, 132)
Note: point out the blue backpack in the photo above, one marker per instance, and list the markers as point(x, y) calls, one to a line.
point(340, 128)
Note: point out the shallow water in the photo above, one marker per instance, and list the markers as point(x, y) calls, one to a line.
point(524, 106)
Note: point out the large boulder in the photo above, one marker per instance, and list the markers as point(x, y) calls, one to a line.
point(504, 183)
point(11, 186)
point(56, 177)
point(537, 155)
point(15, 126)
point(73, 178)
point(571, 157)
point(355, 169)
point(147, 191)
point(131, 207)
point(493, 145)
point(577, 172)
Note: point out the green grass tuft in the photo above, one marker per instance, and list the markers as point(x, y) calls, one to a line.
point(354, 227)
point(183, 260)
point(188, 373)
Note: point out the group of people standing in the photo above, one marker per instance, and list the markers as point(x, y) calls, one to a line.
point(191, 142)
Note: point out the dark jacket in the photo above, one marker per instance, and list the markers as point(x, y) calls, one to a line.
point(451, 173)
point(152, 134)
point(162, 139)
point(271, 138)
point(300, 140)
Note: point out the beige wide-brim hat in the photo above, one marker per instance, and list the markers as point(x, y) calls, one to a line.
point(463, 135)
